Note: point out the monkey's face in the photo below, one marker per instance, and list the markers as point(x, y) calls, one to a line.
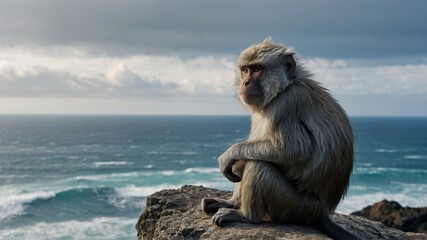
point(250, 91)
point(258, 83)
point(264, 70)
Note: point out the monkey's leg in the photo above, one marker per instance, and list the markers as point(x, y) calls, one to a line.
point(211, 205)
point(252, 209)
point(266, 194)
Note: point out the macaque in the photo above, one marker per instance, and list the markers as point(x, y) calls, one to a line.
point(296, 164)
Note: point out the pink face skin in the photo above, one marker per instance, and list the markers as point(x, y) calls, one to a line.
point(249, 90)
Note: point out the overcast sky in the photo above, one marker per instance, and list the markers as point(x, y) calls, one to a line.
point(177, 57)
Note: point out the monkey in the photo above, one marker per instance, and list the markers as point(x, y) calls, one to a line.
point(295, 166)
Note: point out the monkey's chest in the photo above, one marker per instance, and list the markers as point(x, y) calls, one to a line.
point(260, 131)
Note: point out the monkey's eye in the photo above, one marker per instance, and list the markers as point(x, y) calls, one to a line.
point(256, 69)
point(244, 70)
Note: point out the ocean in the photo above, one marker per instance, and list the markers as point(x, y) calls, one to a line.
point(87, 177)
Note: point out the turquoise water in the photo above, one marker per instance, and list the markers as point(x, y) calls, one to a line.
point(87, 177)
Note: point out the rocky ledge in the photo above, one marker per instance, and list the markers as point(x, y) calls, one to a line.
point(176, 214)
point(392, 214)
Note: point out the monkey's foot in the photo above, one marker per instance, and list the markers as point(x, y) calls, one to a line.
point(227, 215)
point(211, 205)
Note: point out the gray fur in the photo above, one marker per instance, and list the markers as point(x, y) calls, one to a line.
point(296, 164)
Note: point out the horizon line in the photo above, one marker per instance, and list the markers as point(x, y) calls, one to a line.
point(174, 115)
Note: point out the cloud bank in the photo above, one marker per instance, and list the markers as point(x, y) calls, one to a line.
point(143, 77)
point(160, 77)
point(164, 57)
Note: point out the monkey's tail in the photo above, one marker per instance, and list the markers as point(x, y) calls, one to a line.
point(334, 230)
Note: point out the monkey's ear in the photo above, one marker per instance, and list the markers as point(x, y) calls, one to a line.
point(290, 65)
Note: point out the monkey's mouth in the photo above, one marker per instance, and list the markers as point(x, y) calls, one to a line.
point(249, 98)
point(250, 95)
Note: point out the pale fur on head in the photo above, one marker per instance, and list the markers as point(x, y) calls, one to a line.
point(275, 77)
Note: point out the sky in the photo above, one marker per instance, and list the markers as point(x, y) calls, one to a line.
point(178, 57)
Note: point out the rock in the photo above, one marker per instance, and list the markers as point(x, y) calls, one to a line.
point(392, 214)
point(176, 214)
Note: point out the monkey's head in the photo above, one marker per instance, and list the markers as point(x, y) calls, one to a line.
point(264, 70)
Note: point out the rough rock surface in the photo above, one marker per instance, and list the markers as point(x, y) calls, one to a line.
point(392, 214)
point(176, 214)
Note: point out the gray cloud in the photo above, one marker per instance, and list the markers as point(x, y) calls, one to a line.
point(331, 29)
point(118, 82)
point(178, 56)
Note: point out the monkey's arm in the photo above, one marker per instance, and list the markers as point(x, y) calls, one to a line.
point(263, 150)
point(283, 150)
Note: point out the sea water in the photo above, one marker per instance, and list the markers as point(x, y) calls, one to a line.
point(87, 177)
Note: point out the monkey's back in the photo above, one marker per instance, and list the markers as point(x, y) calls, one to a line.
point(324, 141)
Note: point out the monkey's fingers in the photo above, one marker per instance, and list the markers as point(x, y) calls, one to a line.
point(226, 168)
point(227, 215)
point(228, 173)
point(220, 217)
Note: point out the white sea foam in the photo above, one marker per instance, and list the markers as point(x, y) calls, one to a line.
point(414, 189)
point(136, 191)
point(154, 152)
point(173, 153)
point(116, 177)
point(358, 202)
point(97, 228)
point(359, 187)
point(189, 153)
point(86, 178)
point(111, 177)
point(363, 170)
point(168, 173)
point(201, 170)
point(7, 176)
point(381, 150)
point(378, 170)
point(128, 174)
point(415, 157)
point(109, 163)
point(12, 202)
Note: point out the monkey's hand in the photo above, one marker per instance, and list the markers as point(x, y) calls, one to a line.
point(226, 163)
